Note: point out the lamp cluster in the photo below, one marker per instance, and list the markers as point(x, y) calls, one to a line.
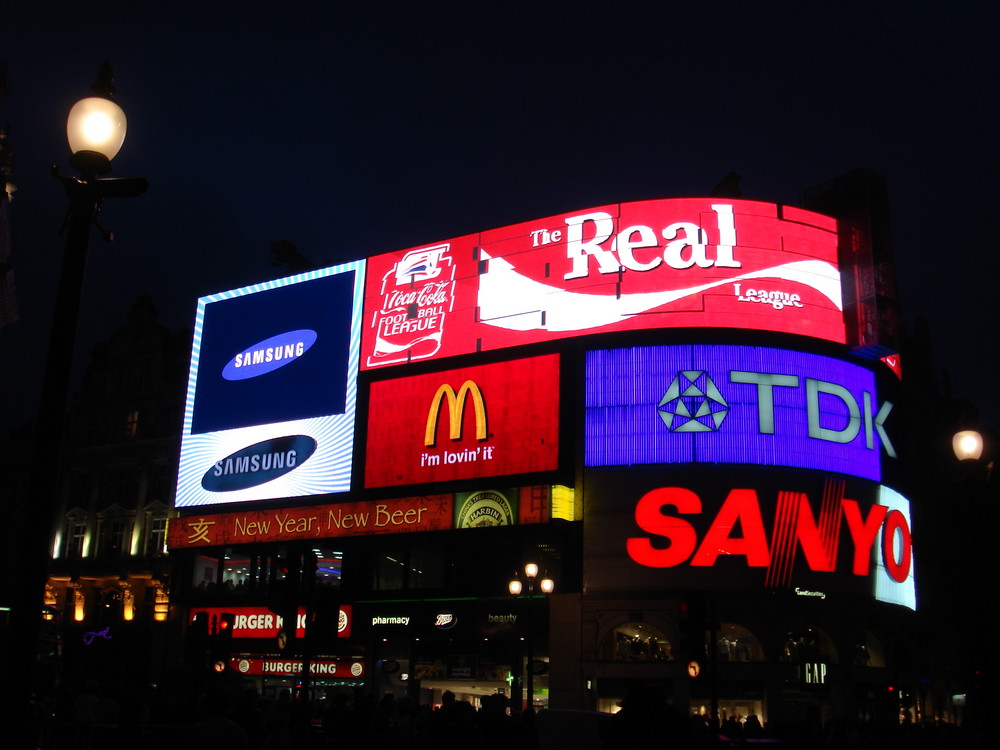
point(546, 585)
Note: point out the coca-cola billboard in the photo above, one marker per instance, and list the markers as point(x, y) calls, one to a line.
point(693, 262)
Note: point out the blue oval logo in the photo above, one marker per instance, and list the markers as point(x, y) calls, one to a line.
point(269, 354)
point(258, 463)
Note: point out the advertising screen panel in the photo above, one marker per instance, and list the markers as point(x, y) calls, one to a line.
point(734, 404)
point(261, 622)
point(694, 262)
point(487, 420)
point(279, 666)
point(272, 391)
point(810, 535)
point(464, 510)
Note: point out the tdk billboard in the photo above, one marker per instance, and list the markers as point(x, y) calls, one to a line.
point(272, 390)
point(734, 404)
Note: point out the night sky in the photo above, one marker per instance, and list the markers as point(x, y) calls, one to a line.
point(351, 130)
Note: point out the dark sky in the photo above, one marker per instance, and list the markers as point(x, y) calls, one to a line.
point(352, 130)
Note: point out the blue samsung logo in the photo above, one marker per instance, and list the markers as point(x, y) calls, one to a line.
point(269, 355)
point(258, 463)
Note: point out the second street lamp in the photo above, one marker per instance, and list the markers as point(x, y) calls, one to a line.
point(516, 587)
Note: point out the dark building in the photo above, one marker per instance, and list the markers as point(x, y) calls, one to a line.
point(109, 581)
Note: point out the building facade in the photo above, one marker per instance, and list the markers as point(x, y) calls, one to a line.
point(108, 590)
point(661, 403)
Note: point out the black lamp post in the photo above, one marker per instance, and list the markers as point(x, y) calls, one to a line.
point(95, 129)
point(546, 586)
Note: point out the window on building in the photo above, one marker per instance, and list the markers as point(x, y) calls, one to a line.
point(420, 566)
point(807, 644)
point(867, 651)
point(390, 569)
point(236, 571)
point(329, 567)
point(156, 534)
point(636, 641)
point(114, 533)
point(736, 643)
point(76, 533)
point(132, 424)
point(204, 572)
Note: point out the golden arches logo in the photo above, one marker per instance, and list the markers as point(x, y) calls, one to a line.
point(456, 409)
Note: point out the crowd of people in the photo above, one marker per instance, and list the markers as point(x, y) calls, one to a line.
point(234, 717)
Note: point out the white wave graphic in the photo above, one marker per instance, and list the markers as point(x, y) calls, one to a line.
point(512, 301)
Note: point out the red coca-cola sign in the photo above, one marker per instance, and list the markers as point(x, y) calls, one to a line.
point(693, 262)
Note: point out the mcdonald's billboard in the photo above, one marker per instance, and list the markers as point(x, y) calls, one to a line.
point(483, 421)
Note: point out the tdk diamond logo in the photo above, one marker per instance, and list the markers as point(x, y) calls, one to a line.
point(692, 403)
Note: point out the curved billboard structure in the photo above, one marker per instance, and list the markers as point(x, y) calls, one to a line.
point(692, 263)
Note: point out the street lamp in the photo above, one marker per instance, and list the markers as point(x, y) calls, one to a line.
point(967, 445)
point(546, 586)
point(95, 130)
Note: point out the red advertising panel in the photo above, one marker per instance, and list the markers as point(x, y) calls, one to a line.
point(261, 622)
point(693, 262)
point(464, 510)
point(276, 666)
point(424, 513)
point(481, 421)
point(807, 534)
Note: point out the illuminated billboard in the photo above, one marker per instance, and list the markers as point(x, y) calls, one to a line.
point(694, 262)
point(259, 665)
point(272, 390)
point(481, 421)
point(734, 404)
point(261, 622)
point(463, 510)
point(816, 535)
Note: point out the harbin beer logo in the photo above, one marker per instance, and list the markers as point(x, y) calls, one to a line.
point(417, 294)
point(486, 508)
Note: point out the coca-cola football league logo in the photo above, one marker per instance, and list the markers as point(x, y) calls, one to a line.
point(417, 294)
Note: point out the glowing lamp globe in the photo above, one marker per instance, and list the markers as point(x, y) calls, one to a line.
point(95, 129)
point(968, 445)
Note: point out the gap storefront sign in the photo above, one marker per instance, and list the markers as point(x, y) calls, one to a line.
point(675, 263)
point(737, 405)
point(272, 390)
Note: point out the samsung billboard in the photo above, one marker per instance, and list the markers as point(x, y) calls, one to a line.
point(734, 404)
point(694, 262)
point(272, 390)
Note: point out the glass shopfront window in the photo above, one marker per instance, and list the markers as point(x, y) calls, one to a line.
point(636, 641)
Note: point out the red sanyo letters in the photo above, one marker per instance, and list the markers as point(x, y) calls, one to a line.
point(658, 513)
